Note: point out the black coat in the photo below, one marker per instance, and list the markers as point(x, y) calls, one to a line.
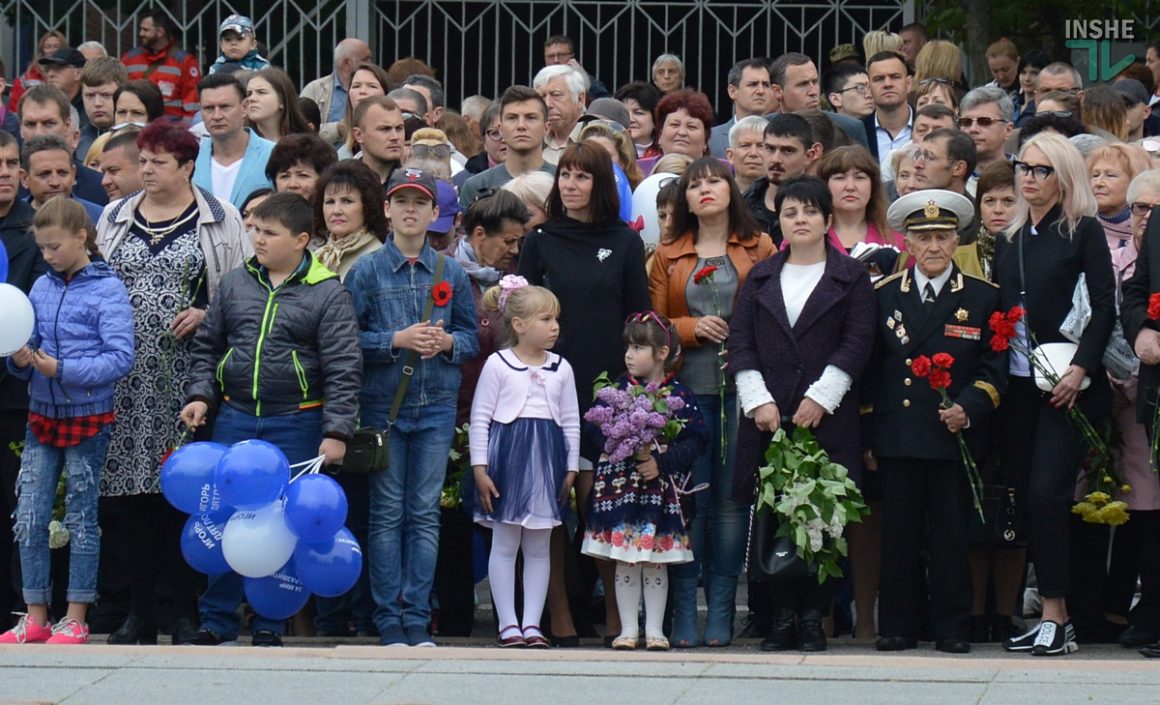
point(1134, 313)
point(902, 409)
point(1052, 262)
point(25, 265)
point(836, 327)
point(755, 198)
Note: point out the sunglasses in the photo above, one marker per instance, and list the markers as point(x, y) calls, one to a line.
point(1038, 171)
point(123, 125)
point(940, 81)
point(1141, 209)
point(1056, 113)
point(966, 123)
point(423, 151)
point(650, 315)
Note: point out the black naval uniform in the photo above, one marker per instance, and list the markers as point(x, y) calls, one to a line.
point(924, 479)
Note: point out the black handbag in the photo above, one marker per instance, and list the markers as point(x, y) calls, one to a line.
point(773, 557)
point(1003, 527)
point(370, 450)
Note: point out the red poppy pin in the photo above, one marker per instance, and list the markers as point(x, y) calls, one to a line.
point(441, 293)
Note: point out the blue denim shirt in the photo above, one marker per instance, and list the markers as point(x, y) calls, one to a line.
point(389, 295)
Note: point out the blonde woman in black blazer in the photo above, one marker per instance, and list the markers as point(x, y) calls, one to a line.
point(1060, 239)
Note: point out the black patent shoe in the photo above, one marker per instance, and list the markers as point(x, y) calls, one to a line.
point(980, 629)
point(754, 627)
point(1135, 637)
point(895, 643)
point(811, 635)
point(783, 637)
point(953, 646)
point(134, 630)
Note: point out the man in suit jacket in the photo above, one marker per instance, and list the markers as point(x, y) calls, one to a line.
point(889, 126)
point(231, 164)
point(933, 308)
point(749, 89)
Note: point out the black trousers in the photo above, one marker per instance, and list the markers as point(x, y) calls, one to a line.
point(918, 494)
point(12, 430)
point(1042, 451)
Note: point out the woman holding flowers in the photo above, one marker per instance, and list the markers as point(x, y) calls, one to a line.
point(1053, 239)
point(801, 334)
point(694, 280)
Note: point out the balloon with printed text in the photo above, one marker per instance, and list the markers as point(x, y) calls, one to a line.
point(330, 569)
point(257, 542)
point(201, 542)
point(277, 596)
point(187, 477)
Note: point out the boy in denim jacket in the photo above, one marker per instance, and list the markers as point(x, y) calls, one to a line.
point(390, 288)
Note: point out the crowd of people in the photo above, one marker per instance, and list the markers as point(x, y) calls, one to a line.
point(230, 256)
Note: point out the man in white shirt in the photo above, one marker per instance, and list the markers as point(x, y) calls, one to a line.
point(889, 126)
point(565, 91)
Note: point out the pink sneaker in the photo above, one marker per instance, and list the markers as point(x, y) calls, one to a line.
point(69, 631)
point(26, 632)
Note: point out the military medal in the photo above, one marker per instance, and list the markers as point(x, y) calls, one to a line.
point(961, 315)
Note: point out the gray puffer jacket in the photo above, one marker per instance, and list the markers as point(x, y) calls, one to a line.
point(270, 351)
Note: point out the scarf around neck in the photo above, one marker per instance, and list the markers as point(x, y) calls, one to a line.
point(332, 253)
point(486, 276)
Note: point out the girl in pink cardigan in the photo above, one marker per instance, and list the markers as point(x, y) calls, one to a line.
point(525, 450)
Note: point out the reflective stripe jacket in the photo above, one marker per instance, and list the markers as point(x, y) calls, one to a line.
point(174, 71)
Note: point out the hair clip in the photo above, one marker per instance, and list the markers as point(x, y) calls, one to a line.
point(508, 285)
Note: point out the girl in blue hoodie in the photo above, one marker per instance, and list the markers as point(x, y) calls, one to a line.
point(82, 344)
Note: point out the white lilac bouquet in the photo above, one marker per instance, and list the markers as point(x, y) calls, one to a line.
point(813, 497)
point(634, 417)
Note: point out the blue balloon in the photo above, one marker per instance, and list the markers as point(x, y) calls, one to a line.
point(187, 477)
point(329, 569)
point(3, 263)
point(624, 191)
point(201, 542)
point(252, 474)
point(277, 596)
point(315, 508)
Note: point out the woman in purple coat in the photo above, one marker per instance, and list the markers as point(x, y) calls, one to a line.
point(801, 335)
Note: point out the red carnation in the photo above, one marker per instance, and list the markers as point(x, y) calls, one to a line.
point(1154, 306)
point(921, 366)
point(999, 343)
point(940, 379)
point(704, 274)
point(943, 360)
point(1016, 314)
point(441, 293)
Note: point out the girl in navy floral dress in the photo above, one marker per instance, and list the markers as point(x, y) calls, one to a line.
point(636, 517)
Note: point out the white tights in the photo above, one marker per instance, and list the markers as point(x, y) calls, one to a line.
point(631, 580)
point(506, 542)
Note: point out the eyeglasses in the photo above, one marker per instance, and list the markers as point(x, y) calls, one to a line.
point(1056, 113)
point(1038, 171)
point(927, 156)
point(561, 56)
point(940, 81)
point(650, 315)
point(861, 88)
point(423, 151)
point(494, 135)
point(966, 123)
point(1142, 209)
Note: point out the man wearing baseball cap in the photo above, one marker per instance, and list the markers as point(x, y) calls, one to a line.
point(239, 45)
point(411, 361)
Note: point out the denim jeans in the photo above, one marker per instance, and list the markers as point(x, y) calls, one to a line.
point(40, 471)
point(298, 435)
point(404, 516)
point(719, 530)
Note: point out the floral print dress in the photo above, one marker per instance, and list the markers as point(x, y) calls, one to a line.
point(633, 520)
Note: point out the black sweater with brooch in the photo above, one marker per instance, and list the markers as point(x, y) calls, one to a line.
point(597, 271)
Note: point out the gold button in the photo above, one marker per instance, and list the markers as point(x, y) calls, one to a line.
point(906, 381)
point(908, 361)
point(906, 403)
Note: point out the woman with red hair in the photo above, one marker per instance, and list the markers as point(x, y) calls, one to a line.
point(684, 119)
point(170, 243)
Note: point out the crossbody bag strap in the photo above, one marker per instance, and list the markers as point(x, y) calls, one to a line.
point(412, 356)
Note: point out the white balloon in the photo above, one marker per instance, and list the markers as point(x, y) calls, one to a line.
point(257, 542)
point(17, 319)
point(644, 205)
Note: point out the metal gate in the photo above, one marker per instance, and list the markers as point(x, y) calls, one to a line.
point(480, 46)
